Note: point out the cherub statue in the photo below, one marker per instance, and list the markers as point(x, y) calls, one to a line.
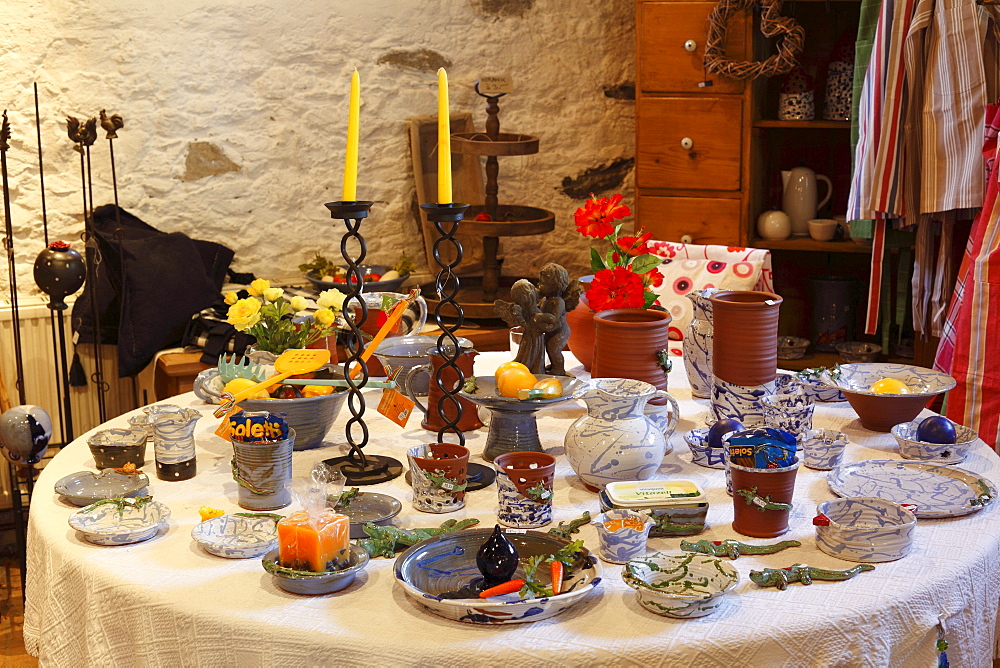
point(559, 295)
point(523, 311)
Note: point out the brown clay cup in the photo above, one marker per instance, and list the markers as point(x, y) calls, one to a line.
point(527, 469)
point(433, 419)
point(626, 345)
point(448, 458)
point(745, 346)
point(750, 518)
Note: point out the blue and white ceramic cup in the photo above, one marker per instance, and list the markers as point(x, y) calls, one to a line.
point(822, 449)
point(740, 402)
point(621, 542)
point(788, 411)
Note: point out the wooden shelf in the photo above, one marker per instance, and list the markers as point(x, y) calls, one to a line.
point(807, 244)
point(808, 125)
point(815, 358)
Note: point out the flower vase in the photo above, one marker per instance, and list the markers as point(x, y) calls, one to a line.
point(744, 353)
point(581, 333)
point(697, 344)
point(632, 343)
point(173, 441)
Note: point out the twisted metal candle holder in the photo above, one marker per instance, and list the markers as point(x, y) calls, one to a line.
point(358, 468)
point(446, 285)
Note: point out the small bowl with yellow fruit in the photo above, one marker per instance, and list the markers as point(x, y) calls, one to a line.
point(513, 395)
point(884, 395)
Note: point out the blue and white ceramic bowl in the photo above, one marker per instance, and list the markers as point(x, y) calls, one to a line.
point(864, 529)
point(681, 585)
point(701, 453)
point(941, 453)
point(791, 412)
point(441, 566)
point(110, 523)
point(307, 582)
point(822, 449)
point(237, 537)
point(84, 488)
point(810, 386)
point(618, 545)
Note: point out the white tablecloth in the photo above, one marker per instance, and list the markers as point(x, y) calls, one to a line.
point(166, 602)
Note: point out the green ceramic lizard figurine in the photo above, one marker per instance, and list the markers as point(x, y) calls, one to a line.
point(121, 503)
point(565, 531)
point(733, 548)
point(780, 577)
point(385, 541)
point(762, 502)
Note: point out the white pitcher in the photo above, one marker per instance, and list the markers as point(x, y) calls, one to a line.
point(799, 197)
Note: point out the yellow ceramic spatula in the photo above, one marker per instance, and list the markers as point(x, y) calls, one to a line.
point(289, 363)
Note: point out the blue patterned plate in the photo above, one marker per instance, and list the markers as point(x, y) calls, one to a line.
point(236, 536)
point(936, 491)
point(120, 521)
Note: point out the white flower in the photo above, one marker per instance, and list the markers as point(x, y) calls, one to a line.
point(272, 294)
point(298, 303)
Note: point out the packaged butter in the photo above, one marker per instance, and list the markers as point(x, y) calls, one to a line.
point(678, 507)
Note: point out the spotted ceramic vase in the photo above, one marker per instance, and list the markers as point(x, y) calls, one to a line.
point(697, 344)
point(615, 440)
point(744, 403)
point(173, 440)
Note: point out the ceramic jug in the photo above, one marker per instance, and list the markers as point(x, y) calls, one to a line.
point(697, 344)
point(432, 418)
point(615, 440)
point(799, 197)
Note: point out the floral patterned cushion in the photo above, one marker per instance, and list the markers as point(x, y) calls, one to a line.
point(688, 267)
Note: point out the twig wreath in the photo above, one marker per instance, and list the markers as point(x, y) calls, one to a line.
point(772, 24)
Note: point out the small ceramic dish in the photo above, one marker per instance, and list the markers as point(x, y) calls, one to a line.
point(701, 453)
point(85, 488)
point(941, 453)
point(792, 347)
point(681, 585)
point(370, 507)
point(307, 582)
point(858, 351)
point(114, 448)
point(864, 529)
point(119, 521)
point(822, 449)
point(432, 570)
point(237, 536)
point(808, 385)
point(822, 229)
point(880, 412)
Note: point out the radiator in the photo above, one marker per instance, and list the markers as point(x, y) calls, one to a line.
point(40, 383)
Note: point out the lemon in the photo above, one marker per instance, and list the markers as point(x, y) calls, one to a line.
point(509, 365)
point(514, 379)
point(889, 386)
point(237, 385)
point(550, 388)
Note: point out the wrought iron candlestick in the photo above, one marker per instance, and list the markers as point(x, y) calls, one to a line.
point(357, 467)
point(446, 286)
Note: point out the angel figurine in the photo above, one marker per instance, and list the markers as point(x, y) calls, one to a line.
point(524, 312)
point(559, 295)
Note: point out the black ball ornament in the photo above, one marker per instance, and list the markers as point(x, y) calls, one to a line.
point(59, 271)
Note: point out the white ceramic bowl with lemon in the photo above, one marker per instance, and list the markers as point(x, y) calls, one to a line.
point(884, 395)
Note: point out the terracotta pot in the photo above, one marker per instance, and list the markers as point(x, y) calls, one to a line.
point(775, 485)
point(581, 334)
point(515, 476)
point(518, 467)
point(448, 459)
point(745, 346)
point(627, 343)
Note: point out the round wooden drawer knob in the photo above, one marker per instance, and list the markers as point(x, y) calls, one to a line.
point(687, 143)
point(690, 46)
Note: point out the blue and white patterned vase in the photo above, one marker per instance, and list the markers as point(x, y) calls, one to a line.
point(619, 541)
point(615, 440)
point(697, 344)
point(173, 440)
point(525, 488)
point(740, 402)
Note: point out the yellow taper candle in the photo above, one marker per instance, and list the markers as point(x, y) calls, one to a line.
point(351, 161)
point(444, 140)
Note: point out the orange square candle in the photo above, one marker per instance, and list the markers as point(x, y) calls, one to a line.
point(314, 543)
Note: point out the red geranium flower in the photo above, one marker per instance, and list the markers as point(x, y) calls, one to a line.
point(595, 217)
point(654, 278)
point(636, 245)
point(618, 287)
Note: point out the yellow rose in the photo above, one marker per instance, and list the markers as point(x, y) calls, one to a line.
point(257, 288)
point(298, 303)
point(244, 314)
point(231, 298)
point(324, 316)
point(332, 299)
point(272, 294)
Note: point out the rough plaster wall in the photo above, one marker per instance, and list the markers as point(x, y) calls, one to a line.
point(265, 85)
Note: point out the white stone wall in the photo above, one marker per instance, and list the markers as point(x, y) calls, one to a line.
point(266, 83)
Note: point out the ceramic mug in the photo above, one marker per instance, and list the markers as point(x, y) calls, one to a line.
point(822, 449)
point(788, 411)
point(437, 472)
point(525, 488)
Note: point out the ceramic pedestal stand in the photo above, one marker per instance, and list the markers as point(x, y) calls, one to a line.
point(358, 468)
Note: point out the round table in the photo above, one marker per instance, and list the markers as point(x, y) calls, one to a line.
point(167, 602)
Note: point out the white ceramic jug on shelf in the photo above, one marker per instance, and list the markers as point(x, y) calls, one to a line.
point(799, 197)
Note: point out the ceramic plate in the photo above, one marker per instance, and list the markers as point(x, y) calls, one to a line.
point(937, 491)
point(306, 582)
point(236, 536)
point(432, 570)
point(370, 507)
point(108, 523)
point(85, 487)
